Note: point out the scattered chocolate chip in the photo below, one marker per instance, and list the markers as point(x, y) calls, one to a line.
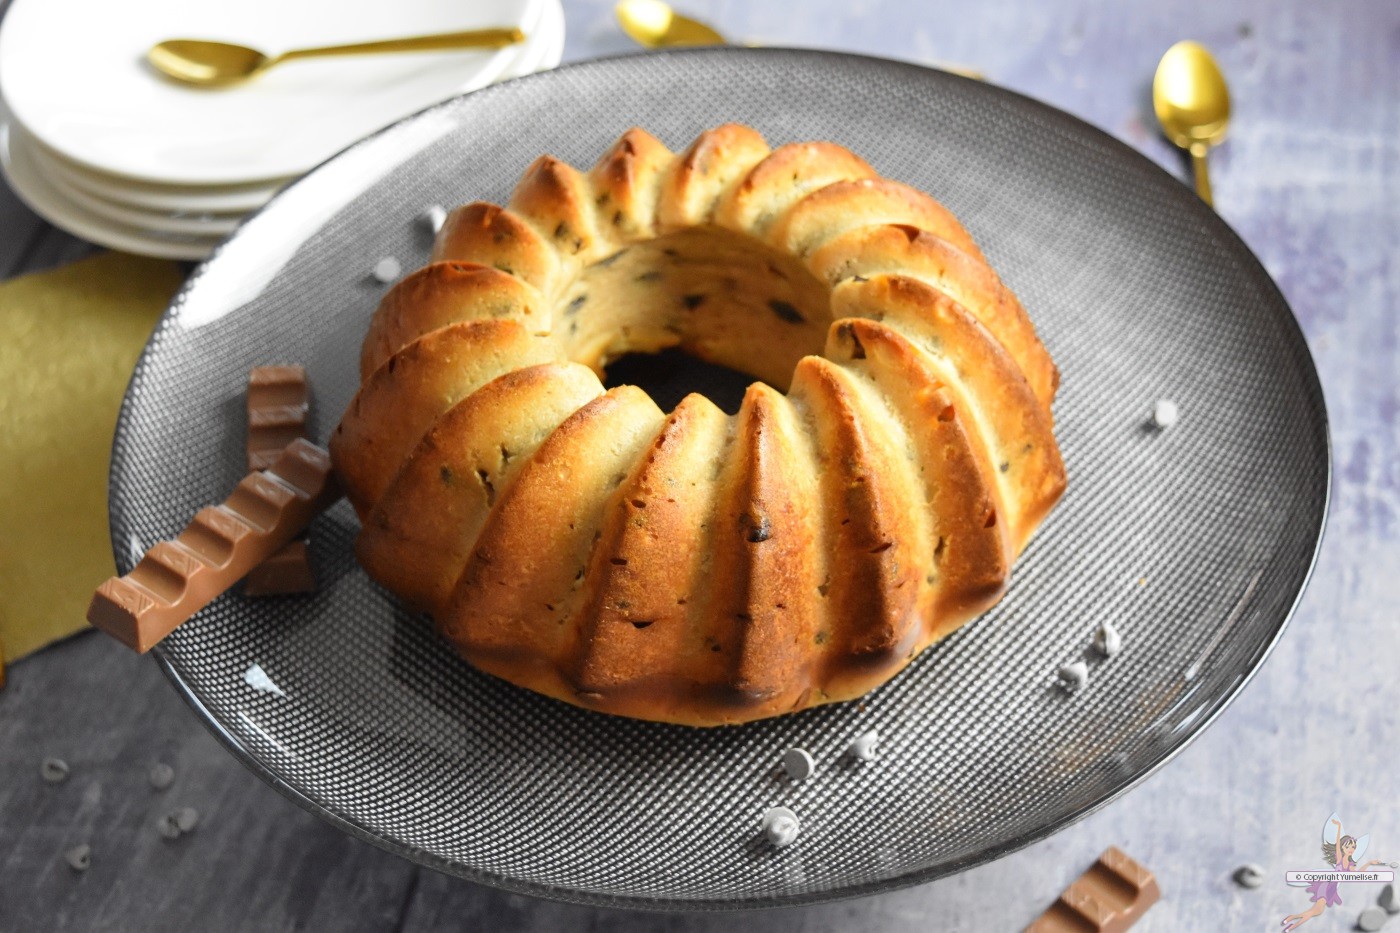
point(186, 819)
point(786, 312)
point(693, 301)
point(609, 260)
point(79, 858)
point(433, 218)
point(161, 776)
point(387, 270)
point(798, 764)
point(167, 826)
point(863, 748)
point(1388, 900)
point(1107, 641)
point(54, 770)
point(1074, 676)
point(1249, 876)
point(1371, 919)
point(573, 306)
point(780, 825)
point(651, 275)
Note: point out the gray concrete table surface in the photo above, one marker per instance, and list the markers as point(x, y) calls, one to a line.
point(1310, 177)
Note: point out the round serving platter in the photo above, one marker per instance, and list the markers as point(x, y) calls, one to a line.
point(1195, 542)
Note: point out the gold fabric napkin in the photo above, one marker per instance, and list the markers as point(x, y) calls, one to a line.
point(69, 339)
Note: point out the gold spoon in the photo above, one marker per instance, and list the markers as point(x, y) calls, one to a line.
point(1192, 104)
point(213, 64)
point(653, 24)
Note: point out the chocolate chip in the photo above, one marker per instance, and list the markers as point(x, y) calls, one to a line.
point(863, 748)
point(79, 858)
point(186, 819)
point(54, 770)
point(797, 762)
point(1165, 414)
point(693, 301)
point(168, 827)
point(433, 218)
point(1249, 876)
point(758, 528)
point(1371, 919)
point(387, 270)
point(786, 312)
point(1074, 676)
point(161, 776)
point(1107, 641)
point(780, 825)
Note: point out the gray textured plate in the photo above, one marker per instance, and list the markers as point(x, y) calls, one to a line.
point(1195, 542)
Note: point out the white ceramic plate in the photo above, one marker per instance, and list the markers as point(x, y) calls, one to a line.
point(149, 195)
point(59, 209)
point(97, 190)
point(114, 115)
point(549, 49)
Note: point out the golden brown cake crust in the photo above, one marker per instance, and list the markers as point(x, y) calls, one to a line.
point(868, 497)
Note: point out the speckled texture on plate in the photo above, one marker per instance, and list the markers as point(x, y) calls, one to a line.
point(1140, 293)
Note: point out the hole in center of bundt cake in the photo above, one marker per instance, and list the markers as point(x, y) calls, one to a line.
point(671, 375)
point(722, 297)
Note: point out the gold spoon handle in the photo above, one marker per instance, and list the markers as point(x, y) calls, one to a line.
point(1198, 164)
point(471, 39)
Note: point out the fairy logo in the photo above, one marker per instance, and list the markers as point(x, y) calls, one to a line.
point(1341, 853)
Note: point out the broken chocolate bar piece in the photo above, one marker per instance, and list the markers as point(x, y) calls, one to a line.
point(1108, 898)
point(287, 571)
point(178, 578)
point(278, 400)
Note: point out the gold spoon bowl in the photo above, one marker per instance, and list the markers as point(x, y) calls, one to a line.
point(654, 25)
point(1192, 103)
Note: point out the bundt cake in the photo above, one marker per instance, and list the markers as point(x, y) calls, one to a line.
point(693, 567)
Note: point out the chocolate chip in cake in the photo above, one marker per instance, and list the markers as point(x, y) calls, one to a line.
point(693, 301)
point(786, 311)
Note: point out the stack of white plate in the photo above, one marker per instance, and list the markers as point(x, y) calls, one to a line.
point(97, 143)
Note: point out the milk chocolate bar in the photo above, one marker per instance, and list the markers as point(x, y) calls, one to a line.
point(278, 401)
point(178, 578)
point(1108, 898)
point(287, 571)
